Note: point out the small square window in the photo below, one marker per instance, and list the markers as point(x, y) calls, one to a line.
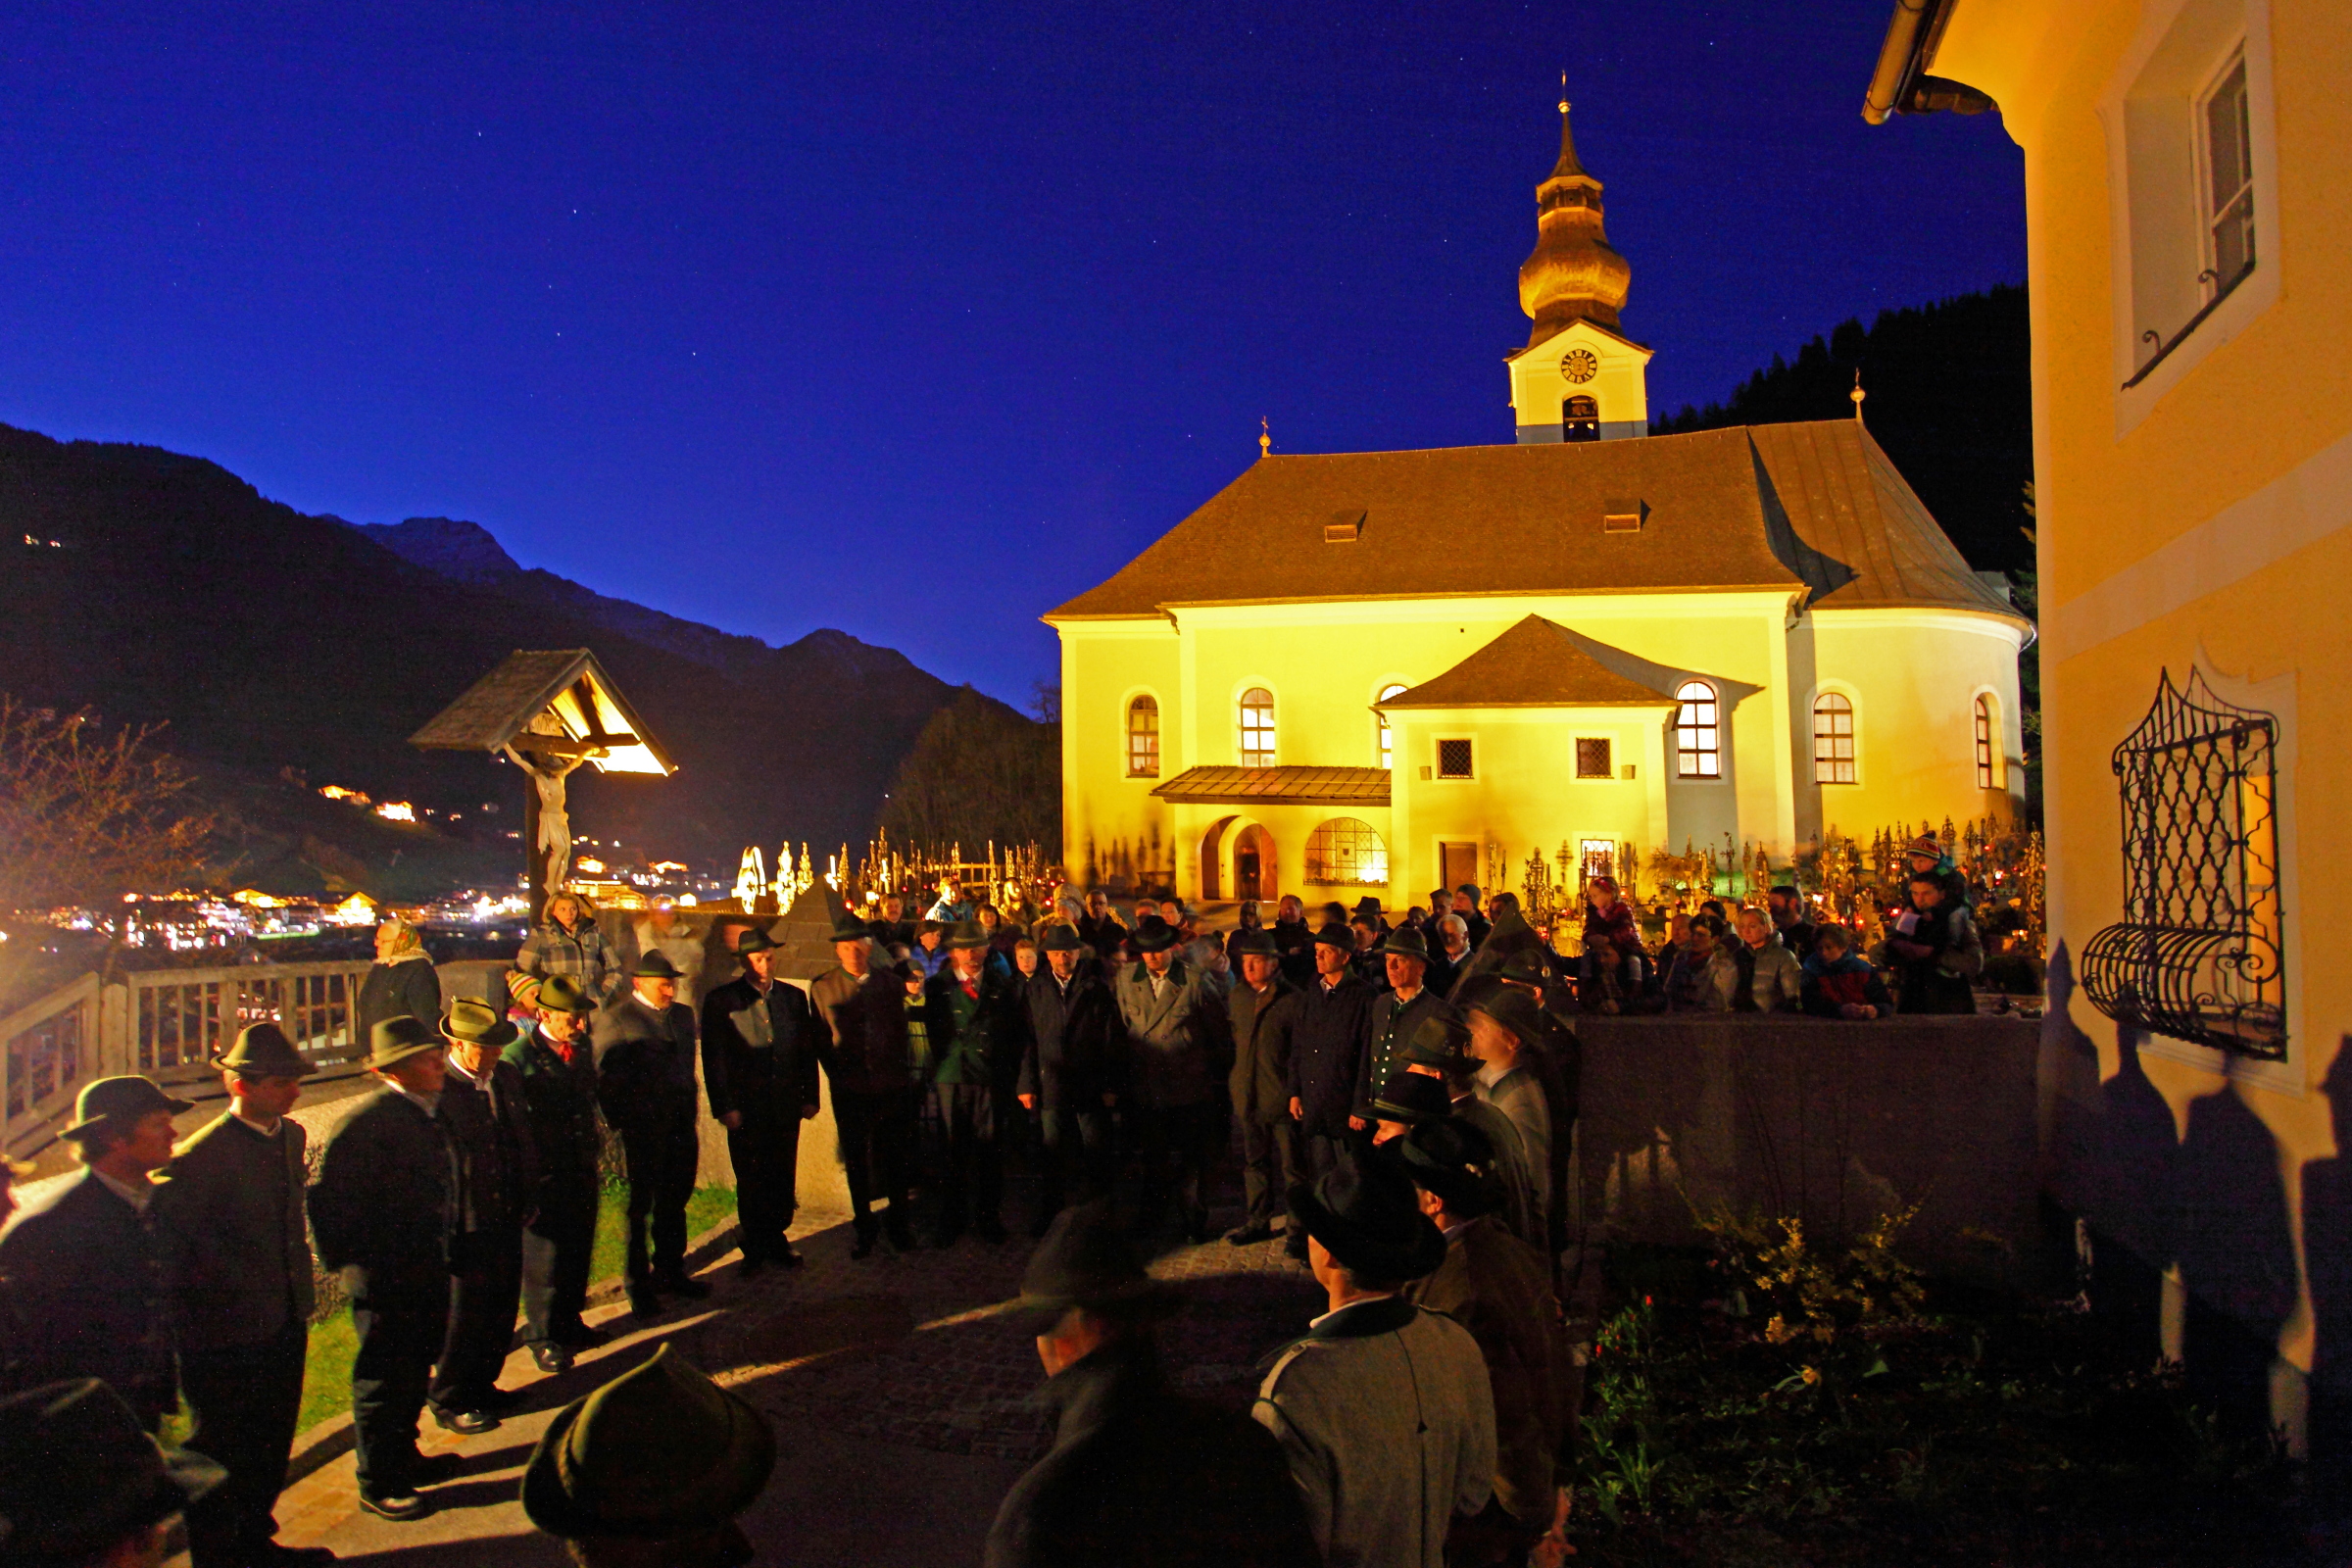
point(1454, 758)
point(1592, 757)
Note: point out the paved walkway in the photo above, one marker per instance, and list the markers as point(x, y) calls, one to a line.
point(901, 1400)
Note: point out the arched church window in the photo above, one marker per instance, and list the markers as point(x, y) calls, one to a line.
point(1388, 740)
point(1988, 743)
point(1579, 420)
point(1347, 853)
point(1258, 727)
point(1142, 738)
point(1832, 738)
point(1697, 732)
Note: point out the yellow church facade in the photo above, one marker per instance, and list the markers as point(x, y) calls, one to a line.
point(1381, 673)
point(2189, 247)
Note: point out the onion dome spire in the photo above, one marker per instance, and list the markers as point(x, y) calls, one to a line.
point(1572, 275)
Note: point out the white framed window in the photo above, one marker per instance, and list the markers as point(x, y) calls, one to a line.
point(1143, 737)
point(1832, 738)
point(1258, 727)
point(1388, 738)
point(1697, 731)
point(2227, 155)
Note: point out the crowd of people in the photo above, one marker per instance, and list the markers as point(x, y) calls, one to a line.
point(1401, 1097)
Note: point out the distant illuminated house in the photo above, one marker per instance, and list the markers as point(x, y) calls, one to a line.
point(1356, 672)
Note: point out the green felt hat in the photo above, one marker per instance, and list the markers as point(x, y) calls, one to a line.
point(1516, 1012)
point(965, 935)
point(1087, 1260)
point(659, 1451)
point(1453, 1159)
point(1440, 1040)
point(115, 1101)
point(1335, 935)
point(262, 1050)
point(396, 1039)
point(77, 1474)
point(847, 927)
point(755, 939)
point(560, 993)
point(1405, 942)
point(471, 1021)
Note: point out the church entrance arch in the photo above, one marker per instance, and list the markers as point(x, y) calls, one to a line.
point(1213, 850)
point(1253, 869)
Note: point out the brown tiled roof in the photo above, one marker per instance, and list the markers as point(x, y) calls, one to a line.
point(1534, 664)
point(494, 710)
point(1339, 786)
point(1814, 508)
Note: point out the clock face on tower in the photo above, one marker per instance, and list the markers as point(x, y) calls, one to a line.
point(1579, 366)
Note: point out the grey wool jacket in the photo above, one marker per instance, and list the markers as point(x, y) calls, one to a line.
point(1386, 1416)
point(230, 1210)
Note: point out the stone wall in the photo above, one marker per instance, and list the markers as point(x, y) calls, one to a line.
point(1833, 1121)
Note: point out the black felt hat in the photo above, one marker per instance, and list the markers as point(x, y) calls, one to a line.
point(1153, 935)
point(1060, 936)
point(654, 965)
point(1364, 1213)
point(1259, 940)
point(966, 936)
point(847, 927)
point(1516, 1012)
point(116, 1102)
point(1368, 905)
point(1087, 1260)
point(77, 1474)
point(755, 940)
point(1525, 966)
point(1453, 1159)
point(262, 1050)
point(659, 1451)
point(1412, 1098)
point(1335, 935)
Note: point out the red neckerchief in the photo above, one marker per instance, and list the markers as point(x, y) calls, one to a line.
point(971, 988)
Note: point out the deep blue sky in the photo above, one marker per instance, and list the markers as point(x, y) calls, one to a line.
point(907, 320)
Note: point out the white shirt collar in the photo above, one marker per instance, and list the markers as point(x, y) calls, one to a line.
point(138, 1198)
point(271, 1130)
point(1362, 1301)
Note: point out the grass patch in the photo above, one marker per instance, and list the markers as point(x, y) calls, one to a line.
point(334, 1344)
point(1781, 1403)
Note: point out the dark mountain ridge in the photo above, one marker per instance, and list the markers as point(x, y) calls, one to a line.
point(267, 639)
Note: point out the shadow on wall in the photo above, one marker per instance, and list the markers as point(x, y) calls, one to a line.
point(2208, 1205)
point(2328, 1267)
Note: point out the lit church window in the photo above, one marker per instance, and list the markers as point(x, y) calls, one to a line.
point(1832, 740)
point(1258, 727)
point(1142, 738)
point(1697, 732)
point(1345, 853)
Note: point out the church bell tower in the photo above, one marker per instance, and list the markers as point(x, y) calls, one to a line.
point(1579, 378)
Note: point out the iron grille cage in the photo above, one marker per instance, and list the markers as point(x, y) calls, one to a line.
point(2199, 956)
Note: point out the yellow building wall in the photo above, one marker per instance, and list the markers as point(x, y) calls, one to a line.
point(2201, 523)
point(1110, 821)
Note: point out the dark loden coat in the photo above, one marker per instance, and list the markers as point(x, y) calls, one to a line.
point(759, 1052)
point(382, 1207)
point(411, 988)
point(1262, 1025)
point(85, 1275)
point(1327, 1048)
point(862, 1027)
point(489, 1126)
point(645, 1065)
point(1073, 1055)
point(559, 1098)
point(236, 1241)
point(1141, 1475)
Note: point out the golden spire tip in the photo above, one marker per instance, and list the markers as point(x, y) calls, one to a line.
point(1265, 438)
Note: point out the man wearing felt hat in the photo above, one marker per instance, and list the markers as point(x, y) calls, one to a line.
point(557, 1071)
point(760, 1054)
point(978, 1027)
point(1506, 1033)
point(85, 1266)
point(1175, 1024)
point(1500, 1289)
point(1261, 1012)
point(860, 1012)
point(1138, 1472)
point(644, 1050)
point(1395, 1013)
point(237, 1247)
point(1327, 1050)
point(1068, 1074)
point(650, 1470)
point(382, 1210)
point(489, 1125)
point(82, 1484)
point(1383, 1409)
point(1441, 1050)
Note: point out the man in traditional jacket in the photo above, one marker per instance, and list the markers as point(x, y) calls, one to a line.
point(1294, 942)
point(645, 1047)
point(1500, 1289)
point(1440, 1049)
point(83, 1265)
point(1174, 1026)
point(484, 1109)
point(1067, 1072)
point(1395, 1012)
point(382, 1210)
point(1138, 1473)
point(1383, 1409)
point(558, 1073)
point(760, 1052)
point(977, 1026)
point(1327, 1049)
point(861, 1010)
point(237, 1248)
point(1262, 1012)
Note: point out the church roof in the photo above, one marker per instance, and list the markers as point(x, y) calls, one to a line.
point(1537, 663)
point(1815, 509)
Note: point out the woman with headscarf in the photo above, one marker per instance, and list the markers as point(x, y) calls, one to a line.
point(400, 981)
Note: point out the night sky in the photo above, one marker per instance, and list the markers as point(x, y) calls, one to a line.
point(910, 320)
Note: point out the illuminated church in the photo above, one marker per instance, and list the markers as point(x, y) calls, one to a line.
point(1383, 671)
